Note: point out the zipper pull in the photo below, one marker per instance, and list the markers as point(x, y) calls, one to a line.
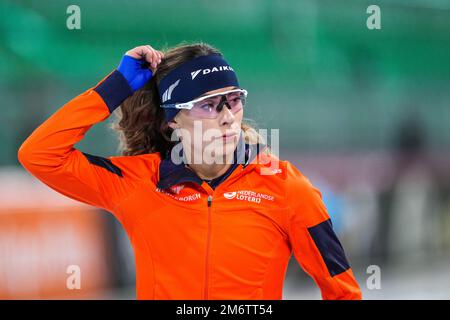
point(209, 200)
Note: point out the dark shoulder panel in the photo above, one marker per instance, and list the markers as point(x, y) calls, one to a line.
point(103, 162)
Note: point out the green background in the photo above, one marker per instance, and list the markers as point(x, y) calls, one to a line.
point(312, 68)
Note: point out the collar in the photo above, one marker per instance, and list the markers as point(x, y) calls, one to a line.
point(171, 174)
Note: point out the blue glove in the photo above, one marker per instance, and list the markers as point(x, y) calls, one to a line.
point(135, 71)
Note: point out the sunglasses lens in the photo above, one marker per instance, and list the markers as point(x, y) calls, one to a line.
point(208, 108)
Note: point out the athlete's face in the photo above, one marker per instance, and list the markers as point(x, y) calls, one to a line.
point(211, 140)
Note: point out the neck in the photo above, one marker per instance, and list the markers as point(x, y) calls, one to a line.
point(210, 171)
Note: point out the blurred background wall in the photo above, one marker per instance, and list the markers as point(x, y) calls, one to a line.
point(363, 113)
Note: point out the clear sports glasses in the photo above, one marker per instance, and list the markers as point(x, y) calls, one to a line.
point(209, 106)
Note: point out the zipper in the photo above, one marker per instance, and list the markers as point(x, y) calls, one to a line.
point(208, 240)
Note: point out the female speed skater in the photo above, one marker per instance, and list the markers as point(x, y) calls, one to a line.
point(210, 211)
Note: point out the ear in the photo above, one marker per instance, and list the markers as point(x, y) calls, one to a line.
point(173, 124)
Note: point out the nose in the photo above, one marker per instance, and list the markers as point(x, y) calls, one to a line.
point(226, 117)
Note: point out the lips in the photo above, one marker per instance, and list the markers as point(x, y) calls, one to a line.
point(226, 136)
point(229, 135)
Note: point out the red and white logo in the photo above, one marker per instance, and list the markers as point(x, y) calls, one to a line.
point(248, 195)
point(229, 195)
point(177, 189)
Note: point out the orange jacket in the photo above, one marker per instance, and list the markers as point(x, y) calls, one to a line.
point(193, 240)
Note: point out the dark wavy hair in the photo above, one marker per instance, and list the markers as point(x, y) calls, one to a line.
point(140, 121)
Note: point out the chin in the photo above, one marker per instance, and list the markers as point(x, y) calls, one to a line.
point(218, 152)
point(225, 152)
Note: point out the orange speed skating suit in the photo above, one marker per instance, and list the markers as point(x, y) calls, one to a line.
point(191, 239)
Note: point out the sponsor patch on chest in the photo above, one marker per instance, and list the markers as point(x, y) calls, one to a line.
point(175, 194)
point(248, 195)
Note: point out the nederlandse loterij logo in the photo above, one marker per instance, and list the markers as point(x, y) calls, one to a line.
point(248, 195)
point(168, 93)
point(206, 71)
point(229, 195)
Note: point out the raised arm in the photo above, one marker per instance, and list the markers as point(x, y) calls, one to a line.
point(49, 153)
